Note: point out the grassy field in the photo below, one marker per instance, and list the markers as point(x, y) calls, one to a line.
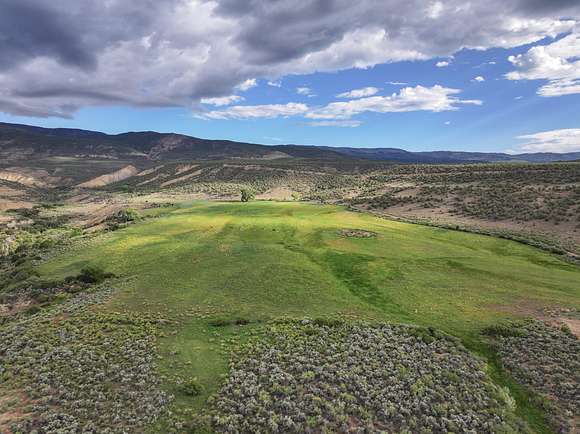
point(203, 262)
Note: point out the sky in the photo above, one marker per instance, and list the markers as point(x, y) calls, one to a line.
point(492, 75)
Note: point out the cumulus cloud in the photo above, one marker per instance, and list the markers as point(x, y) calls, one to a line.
point(418, 98)
point(341, 124)
point(359, 93)
point(479, 79)
point(442, 64)
point(222, 100)
point(565, 140)
point(266, 111)
point(57, 57)
point(558, 62)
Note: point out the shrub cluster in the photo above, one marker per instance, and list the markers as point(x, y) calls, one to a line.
point(92, 274)
point(493, 192)
point(358, 377)
point(546, 359)
point(21, 246)
point(84, 372)
point(35, 293)
point(191, 387)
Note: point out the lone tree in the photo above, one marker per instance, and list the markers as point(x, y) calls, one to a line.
point(128, 215)
point(247, 195)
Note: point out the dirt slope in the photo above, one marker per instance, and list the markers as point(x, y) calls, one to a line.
point(111, 178)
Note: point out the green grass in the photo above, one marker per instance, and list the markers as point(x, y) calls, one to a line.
point(262, 260)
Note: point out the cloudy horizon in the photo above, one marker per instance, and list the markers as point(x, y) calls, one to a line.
point(475, 76)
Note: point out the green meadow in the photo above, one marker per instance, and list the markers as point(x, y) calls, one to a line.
point(209, 261)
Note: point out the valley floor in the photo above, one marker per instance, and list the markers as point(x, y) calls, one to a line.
point(213, 274)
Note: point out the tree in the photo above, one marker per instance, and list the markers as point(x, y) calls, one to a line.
point(123, 218)
point(128, 215)
point(247, 195)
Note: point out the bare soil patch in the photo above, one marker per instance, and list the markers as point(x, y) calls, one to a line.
point(182, 178)
point(276, 193)
point(357, 233)
point(110, 178)
point(6, 205)
point(12, 404)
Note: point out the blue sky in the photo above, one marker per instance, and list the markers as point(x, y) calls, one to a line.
point(481, 99)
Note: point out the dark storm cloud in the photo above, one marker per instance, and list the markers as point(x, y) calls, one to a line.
point(278, 30)
point(37, 110)
point(69, 93)
point(538, 7)
point(30, 29)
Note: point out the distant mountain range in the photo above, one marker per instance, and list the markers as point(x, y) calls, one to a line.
point(400, 155)
point(19, 142)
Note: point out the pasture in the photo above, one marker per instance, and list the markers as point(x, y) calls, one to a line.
point(219, 269)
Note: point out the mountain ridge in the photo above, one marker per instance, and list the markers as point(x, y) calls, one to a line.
point(19, 141)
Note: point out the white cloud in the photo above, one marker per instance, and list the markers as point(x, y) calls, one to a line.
point(558, 63)
point(479, 79)
point(419, 98)
point(247, 84)
point(275, 83)
point(409, 99)
point(397, 83)
point(447, 122)
point(560, 87)
point(434, 10)
point(267, 111)
point(442, 64)
point(222, 100)
point(359, 93)
point(565, 140)
point(331, 123)
point(306, 91)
